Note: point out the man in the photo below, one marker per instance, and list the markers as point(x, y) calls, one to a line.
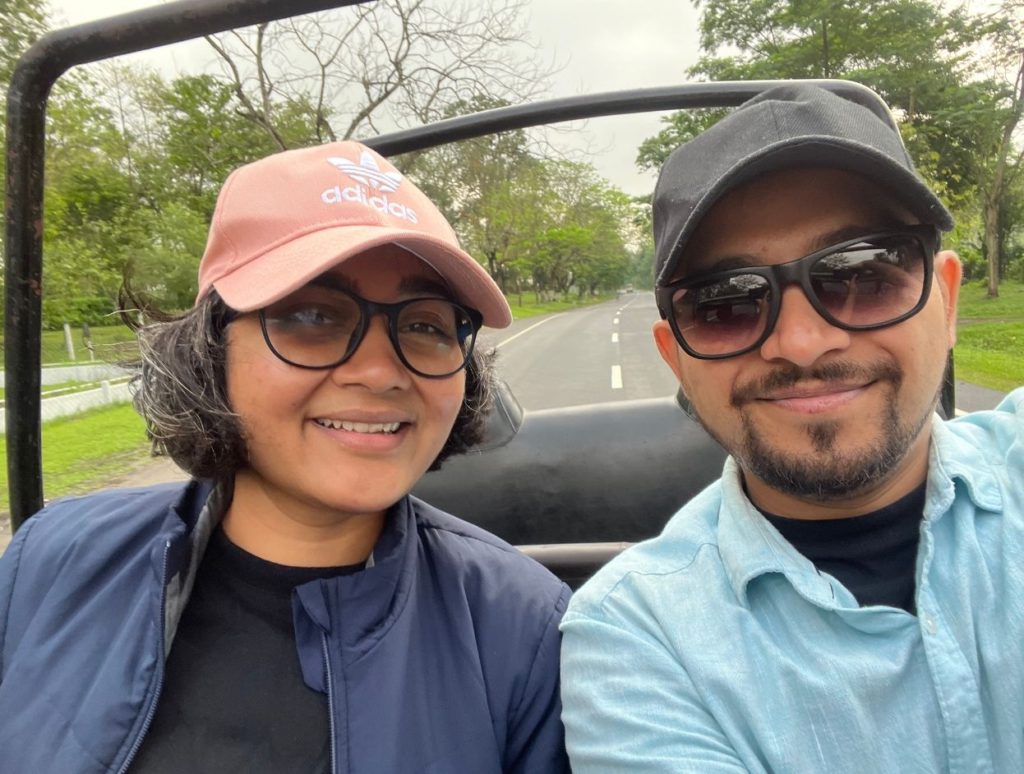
point(847, 597)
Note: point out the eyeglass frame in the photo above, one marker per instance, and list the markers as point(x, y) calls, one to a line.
point(370, 309)
point(797, 272)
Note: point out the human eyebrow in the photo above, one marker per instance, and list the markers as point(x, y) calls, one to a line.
point(408, 286)
point(420, 285)
point(728, 263)
point(846, 233)
point(820, 242)
point(333, 282)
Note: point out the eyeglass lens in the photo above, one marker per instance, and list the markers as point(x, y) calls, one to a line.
point(864, 285)
point(320, 327)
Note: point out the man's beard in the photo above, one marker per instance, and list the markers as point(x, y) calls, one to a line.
point(832, 472)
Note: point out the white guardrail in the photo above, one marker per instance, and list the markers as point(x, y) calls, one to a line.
point(83, 372)
point(72, 403)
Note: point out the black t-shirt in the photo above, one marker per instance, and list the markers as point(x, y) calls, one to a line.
point(233, 698)
point(874, 555)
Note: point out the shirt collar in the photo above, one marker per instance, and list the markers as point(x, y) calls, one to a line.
point(956, 456)
point(750, 546)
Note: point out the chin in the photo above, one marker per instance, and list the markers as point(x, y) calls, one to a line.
point(381, 501)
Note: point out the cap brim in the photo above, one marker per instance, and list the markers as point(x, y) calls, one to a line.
point(830, 152)
point(288, 267)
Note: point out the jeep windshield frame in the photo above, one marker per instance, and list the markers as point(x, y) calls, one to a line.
point(58, 51)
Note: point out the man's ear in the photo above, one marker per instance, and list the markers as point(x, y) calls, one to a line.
point(667, 347)
point(948, 272)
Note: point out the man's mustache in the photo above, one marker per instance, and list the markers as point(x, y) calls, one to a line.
point(838, 371)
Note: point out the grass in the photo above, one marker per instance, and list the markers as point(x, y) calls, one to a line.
point(84, 452)
point(975, 304)
point(990, 340)
point(991, 354)
point(535, 308)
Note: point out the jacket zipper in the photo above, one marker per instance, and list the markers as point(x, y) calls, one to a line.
point(330, 701)
point(160, 665)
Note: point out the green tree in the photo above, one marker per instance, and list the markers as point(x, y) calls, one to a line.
point(87, 198)
point(1002, 164)
point(909, 51)
point(956, 117)
point(581, 239)
point(22, 22)
point(487, 187)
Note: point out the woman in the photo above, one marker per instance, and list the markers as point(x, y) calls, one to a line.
point(291, 608)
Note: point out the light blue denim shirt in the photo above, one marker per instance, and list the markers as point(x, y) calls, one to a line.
point(718, 647)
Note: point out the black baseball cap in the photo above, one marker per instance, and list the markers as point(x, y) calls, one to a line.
point(793, 125)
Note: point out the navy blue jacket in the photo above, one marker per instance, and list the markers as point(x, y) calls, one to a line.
point(442, 657)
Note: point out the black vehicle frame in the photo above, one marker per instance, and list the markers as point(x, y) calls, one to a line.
point(529, 481)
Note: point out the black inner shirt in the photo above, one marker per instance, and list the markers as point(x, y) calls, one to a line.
point(233, 698)
point(874, 556)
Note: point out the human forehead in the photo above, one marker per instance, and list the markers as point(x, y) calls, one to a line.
point(784, 215)
point(384, 273)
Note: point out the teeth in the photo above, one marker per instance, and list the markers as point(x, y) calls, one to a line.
point(360, 427)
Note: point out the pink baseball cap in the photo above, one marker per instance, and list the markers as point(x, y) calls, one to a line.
point(283, 220)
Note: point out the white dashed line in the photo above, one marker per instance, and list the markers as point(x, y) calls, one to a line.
point(615, 338)
point(616, 377)
point(615, 321)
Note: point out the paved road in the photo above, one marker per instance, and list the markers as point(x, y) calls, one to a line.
point(593, 355)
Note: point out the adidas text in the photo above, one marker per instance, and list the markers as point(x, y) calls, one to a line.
point(357, 193)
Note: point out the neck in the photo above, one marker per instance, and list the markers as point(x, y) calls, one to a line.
point(284, 531)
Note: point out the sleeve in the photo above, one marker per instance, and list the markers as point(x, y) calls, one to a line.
point(9, 562)
point(536, 742)
point(629, 705)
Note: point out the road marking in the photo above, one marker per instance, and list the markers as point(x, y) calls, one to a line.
point(616, 377)
point(527, 330)
point(615, 321)
point(615, 338)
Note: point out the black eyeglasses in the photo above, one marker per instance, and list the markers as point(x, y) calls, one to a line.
point(322, 327)
point(861, 284)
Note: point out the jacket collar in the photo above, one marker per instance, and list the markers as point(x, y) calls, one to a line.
point(190, 521)
point(372, 599)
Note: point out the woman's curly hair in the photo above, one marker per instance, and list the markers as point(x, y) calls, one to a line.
point(180, 389)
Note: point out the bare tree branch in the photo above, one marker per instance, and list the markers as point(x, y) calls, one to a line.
point(388, 64)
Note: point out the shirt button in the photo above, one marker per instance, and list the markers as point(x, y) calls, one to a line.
point(929, 625)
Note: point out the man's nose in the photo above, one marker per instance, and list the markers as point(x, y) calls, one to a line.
point(801, 335)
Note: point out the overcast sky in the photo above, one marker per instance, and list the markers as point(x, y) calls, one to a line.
point(605, 45)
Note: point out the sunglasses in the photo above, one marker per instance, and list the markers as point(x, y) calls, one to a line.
point(861, 284)
point(320, 327)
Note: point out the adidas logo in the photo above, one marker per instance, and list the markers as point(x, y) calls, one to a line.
point(371, 189)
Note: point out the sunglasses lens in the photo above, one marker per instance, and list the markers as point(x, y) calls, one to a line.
point(871, 283)
point(723, 316)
